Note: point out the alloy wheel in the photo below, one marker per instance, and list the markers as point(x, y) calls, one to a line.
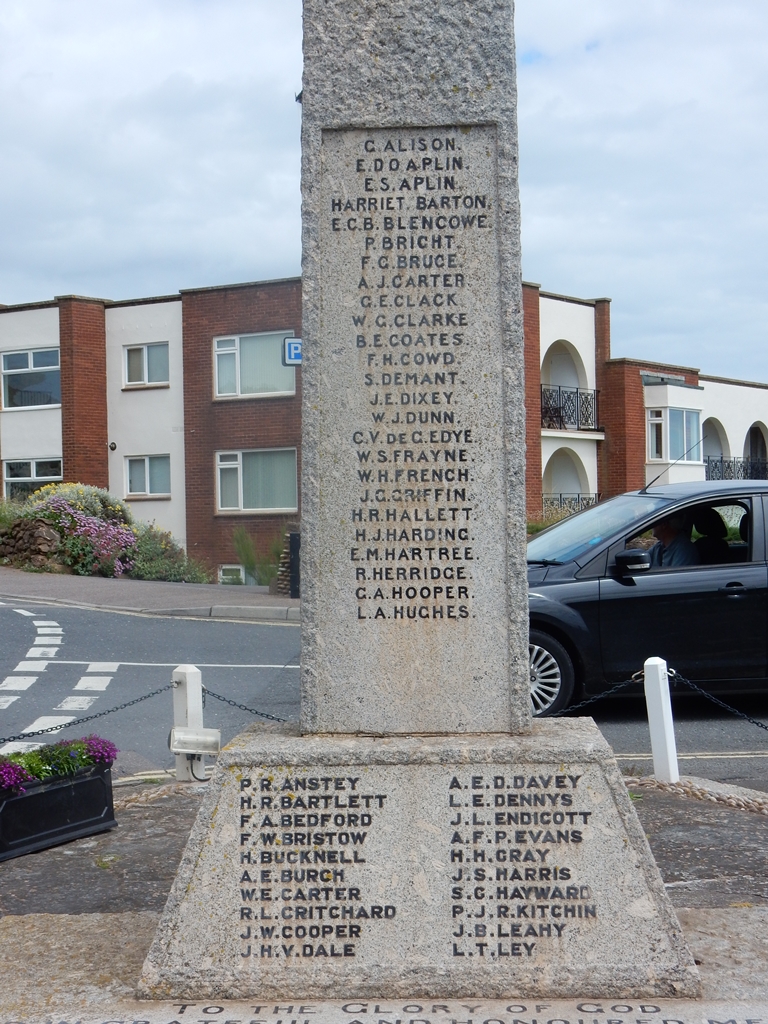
point(546, 678)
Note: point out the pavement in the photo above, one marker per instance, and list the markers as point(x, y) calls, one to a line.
point(190, 600)
point(77, 920)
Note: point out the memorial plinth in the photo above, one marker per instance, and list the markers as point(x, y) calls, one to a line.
point(419, 866)
point(417, 835)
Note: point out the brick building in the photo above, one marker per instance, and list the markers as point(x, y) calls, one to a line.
point(180, 405)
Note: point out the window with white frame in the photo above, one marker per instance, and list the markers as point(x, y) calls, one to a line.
point(684, 435)
point(27, 475)
point(257, 481)
point(31, 378)
point(674, 434)
point(148, 475)
point(231, 574)
point(655, 434)
point(146, 364)
point(252, 364)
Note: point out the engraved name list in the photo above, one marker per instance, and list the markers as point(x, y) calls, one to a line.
point(413, 219)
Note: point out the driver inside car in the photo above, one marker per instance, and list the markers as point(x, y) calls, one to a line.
point(673, 547)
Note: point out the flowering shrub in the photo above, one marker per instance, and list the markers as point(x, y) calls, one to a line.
point(89, 545)
point(159, 557)
point(62, 758)
point(93, 501)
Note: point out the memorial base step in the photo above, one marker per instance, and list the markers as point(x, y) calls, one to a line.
point(419, 866)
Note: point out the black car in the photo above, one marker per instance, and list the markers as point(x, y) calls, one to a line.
point(600, 603)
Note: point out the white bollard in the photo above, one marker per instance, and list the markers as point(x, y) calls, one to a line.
point(660, 720)
point(187, 712)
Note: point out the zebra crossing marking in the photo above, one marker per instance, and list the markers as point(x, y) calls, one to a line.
point(54, 722)
point(75, 704)
point(94, 683)
point(17, 682)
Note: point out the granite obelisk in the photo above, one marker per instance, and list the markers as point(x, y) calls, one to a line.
point(413, 435)
point(417, 834)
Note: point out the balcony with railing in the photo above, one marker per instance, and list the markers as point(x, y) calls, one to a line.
point(567, 408)
point(558, 506)
point(717, 467)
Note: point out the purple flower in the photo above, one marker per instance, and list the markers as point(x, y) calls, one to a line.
point(13, 775)
point(112, 545)
point(100, 751)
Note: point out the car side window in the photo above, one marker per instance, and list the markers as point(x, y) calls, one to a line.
point(735, 544)
point(711, 533)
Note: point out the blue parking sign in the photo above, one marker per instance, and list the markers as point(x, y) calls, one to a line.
point(291, 351)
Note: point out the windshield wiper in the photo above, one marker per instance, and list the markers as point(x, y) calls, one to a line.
point(543, 561)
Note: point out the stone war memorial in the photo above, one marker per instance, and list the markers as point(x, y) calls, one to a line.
point(417, 834)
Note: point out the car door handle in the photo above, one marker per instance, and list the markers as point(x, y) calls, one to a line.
point(733, 590)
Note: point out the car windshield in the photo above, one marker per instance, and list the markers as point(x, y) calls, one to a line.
point(577, 536)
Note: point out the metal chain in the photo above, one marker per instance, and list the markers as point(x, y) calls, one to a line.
point(715, 700)
point(674, 676)
point(241, 707)
point(89, 718)
point(598, 696)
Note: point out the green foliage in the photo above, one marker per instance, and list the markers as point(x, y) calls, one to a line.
point(79, 555)
point(93, 501)
point(245, 549)
point(9, 512)
point(56, 759)
point(262, 568)
point(159, 557)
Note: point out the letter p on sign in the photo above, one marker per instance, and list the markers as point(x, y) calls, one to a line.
point(291, 351)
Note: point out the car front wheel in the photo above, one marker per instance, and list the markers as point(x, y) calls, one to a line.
point(551, 674)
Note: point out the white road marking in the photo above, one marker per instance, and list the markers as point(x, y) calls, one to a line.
point(48, 630)
point(20, 611)
point(75, 704)
point(17, 682)
point(42, 652)
point(49, 640)
point(45, 622)
point(32, 666)
point(48, 722)
point(94, 683)
point(113, 666)
point(5, 702)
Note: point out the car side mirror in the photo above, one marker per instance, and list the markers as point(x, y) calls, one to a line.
point(632, 562)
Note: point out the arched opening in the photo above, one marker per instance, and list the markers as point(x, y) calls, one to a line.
point(715, 440)
point(754, 443)
point(716, 452)
point(755, 466)
point(563, 365)
point(566, 401)
point(565, 485)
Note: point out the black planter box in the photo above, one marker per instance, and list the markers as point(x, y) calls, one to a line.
point(56, 811)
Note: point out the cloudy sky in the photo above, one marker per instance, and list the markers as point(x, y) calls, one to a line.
point(152, 145)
